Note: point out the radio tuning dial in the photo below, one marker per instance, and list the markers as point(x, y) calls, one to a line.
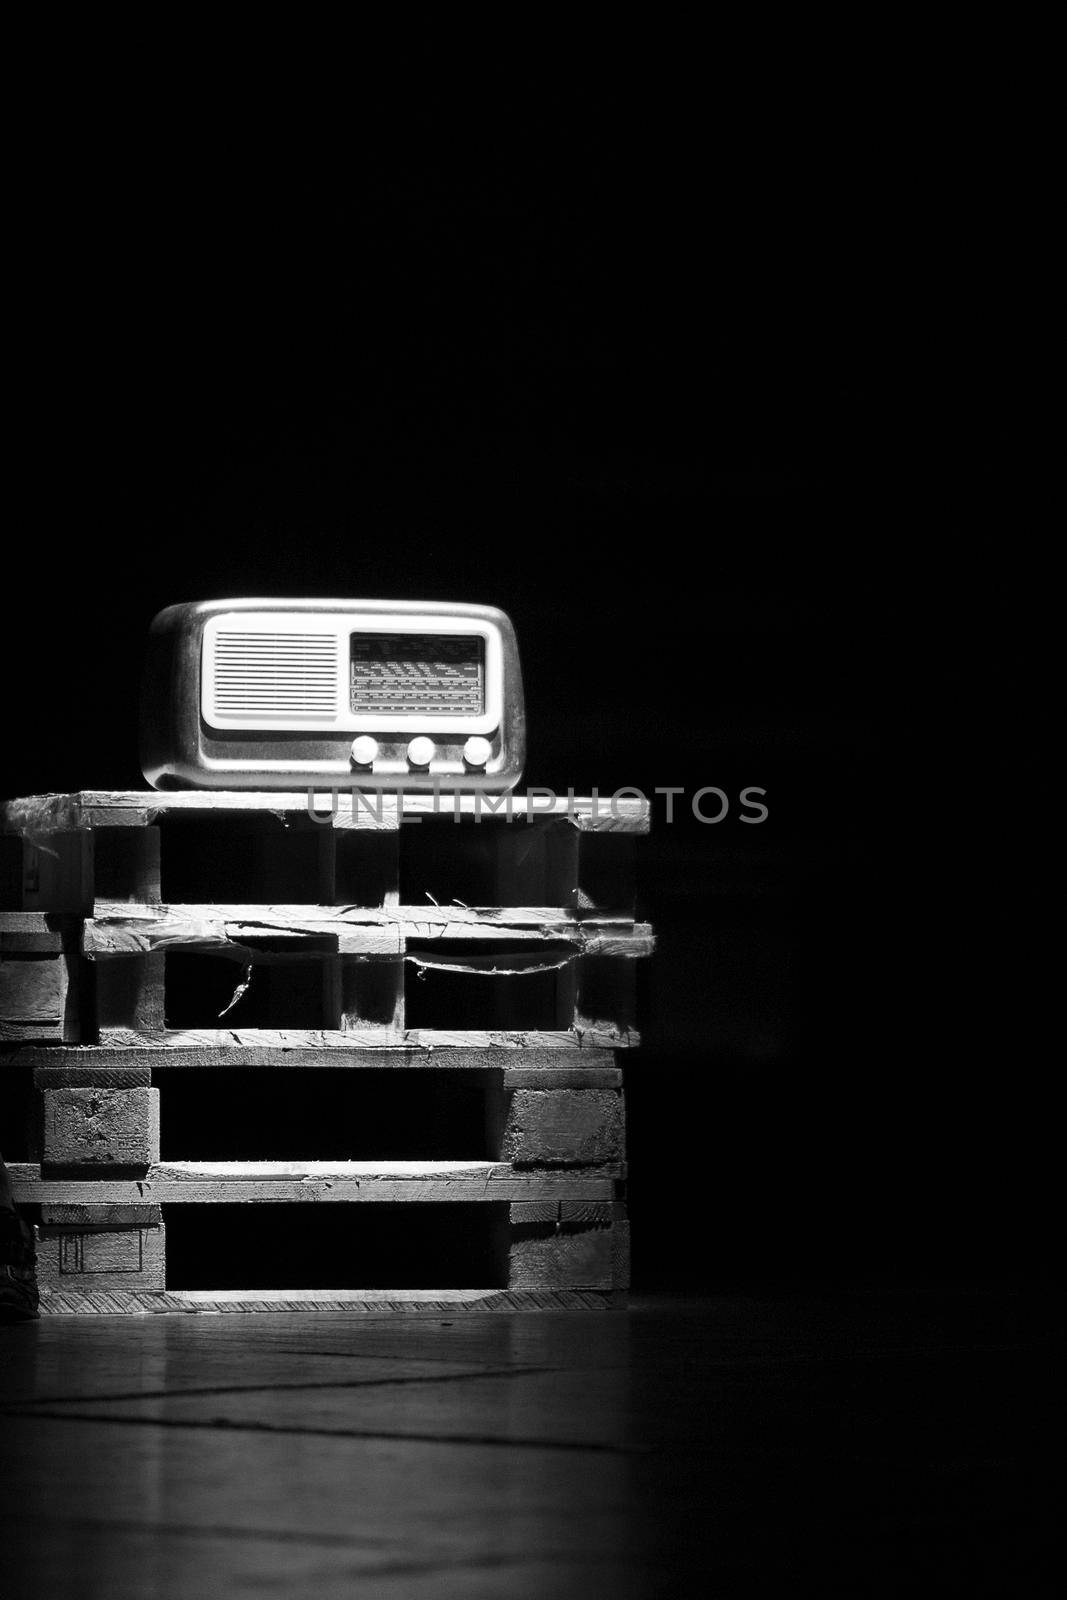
point(421, 751)
point(364, 750)
point(476, 751)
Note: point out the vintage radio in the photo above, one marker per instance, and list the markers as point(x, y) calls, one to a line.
point(375, 694)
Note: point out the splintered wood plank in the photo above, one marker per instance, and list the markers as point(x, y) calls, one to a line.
point(328, 1040)
point(585, 938)
point(507, 917)
point(628, 940)
point(213, 1183)
point(124, 928)
point(57, 813)
point(562, 1126)
point(86, 807)
point(131, 1259)
point(99, 1127)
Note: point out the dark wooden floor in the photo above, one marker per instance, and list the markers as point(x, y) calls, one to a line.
point(837, 1442)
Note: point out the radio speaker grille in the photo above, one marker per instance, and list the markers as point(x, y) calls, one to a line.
point(282, 674)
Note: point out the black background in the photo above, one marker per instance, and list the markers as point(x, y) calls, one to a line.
point(711, 408)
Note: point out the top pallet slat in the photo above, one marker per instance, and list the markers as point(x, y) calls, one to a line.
point(89, 808)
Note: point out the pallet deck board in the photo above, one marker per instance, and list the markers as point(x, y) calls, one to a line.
point(428, 1302)
point(89, 1057)
point(327, 1040)
point(87, 1066)
point(88, 808)
point(225, 1182)
point(126, 928)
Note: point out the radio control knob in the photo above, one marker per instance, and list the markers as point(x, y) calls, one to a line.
point(364, 750)
point(421, 751)
point(476, 751)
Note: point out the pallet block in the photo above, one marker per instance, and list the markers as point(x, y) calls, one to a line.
point(579, 1247)
point(39, 998)
point(56, 873)
point(101, 1128)
point(99, 1250)
point(560, 1126)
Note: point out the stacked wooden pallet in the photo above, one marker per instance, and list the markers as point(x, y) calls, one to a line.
point(154, 936)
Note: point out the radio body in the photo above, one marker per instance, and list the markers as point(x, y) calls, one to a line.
point(376, 694)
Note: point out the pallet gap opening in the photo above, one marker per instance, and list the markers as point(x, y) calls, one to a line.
point(489, 861)
point(300, 1114)
point(531, 988)
point(284, 986)
point(353, 1246)
point(259, 859)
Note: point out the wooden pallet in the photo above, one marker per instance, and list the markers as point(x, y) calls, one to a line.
point(63, 852)
point(320, 977)
point(91, 953)
point(553, 1175)
point(318, 958)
